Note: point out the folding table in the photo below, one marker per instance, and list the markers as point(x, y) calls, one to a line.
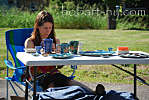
point(29, 60)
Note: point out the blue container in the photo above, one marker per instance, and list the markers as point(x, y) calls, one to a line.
point(47, 45)
point(74, 45)
point(64, 48)
point(38, 48)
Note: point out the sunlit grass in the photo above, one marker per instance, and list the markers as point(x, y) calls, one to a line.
point(105, 73)
point(97, 40)
point(102, 39)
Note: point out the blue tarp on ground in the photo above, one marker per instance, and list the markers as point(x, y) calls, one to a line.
point(79, 93)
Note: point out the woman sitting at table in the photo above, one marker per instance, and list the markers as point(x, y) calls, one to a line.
point(44, 29)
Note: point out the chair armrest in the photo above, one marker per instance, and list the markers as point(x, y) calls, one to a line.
point(21, 67)
point(10, 65)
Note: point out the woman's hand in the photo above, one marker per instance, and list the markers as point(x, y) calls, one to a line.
point(58, 49)
point(53, 48)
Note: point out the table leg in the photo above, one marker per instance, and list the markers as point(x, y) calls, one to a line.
point(135, 82)
point(26, 87)
point(34, 84)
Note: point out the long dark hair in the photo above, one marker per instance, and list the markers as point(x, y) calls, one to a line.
point(41, 18)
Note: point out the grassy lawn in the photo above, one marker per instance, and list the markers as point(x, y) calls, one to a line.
point(98, 40)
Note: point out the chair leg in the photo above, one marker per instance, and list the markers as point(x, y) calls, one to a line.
point(13, 88)
point(21, 89)
point(26, 87)
point(7, 80)
point(7, 91)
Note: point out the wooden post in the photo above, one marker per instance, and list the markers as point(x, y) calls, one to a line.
point(111, 18)
point(111, 6)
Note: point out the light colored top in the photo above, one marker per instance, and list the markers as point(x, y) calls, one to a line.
point(42, 69)
point(29, 43)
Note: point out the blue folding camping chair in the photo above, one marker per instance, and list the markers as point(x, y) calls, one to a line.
point(15, 43)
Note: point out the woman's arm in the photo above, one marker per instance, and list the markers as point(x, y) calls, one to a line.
point(58, 51)
point(57, 41)
point(56, 48)
point(29, 43)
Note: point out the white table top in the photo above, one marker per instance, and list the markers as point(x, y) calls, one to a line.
point(30, 60)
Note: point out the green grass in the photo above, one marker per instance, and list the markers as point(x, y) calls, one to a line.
point(106, 73)
point(102, 39)
point(98, 40)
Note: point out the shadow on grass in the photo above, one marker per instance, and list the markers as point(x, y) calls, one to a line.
point(139, 29)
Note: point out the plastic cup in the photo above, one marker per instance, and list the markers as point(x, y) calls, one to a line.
point(64, 48)
point(47, 45)
point(38, 48)
point(74, 46)
point(110, 49)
